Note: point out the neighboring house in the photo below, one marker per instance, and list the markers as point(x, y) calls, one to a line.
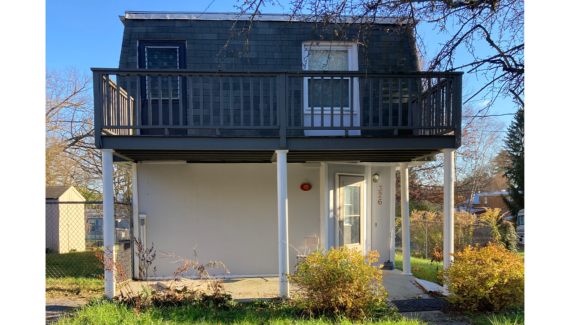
point(493, 200)
point(223, 144)
point(475, 207)
point(65, 223)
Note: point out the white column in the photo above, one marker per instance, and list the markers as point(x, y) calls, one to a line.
point(108, 211)
point(448, 208)
point(323, 206)
point(135, 212)
point(281, 156)
point(404, 180)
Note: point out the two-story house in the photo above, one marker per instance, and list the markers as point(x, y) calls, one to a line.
point(245, 154)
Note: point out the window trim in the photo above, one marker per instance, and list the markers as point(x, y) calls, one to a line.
point(142, 62)
point(353, 65)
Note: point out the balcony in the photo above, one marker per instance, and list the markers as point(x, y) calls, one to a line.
point(244, 116)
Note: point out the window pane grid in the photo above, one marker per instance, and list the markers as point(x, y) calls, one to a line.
point(163, 58)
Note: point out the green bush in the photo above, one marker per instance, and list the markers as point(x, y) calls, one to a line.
point(340, 281)
point(488, 278)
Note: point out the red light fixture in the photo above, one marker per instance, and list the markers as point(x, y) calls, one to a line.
point(305, 186)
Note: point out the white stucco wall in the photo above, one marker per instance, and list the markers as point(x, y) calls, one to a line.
point(227, 211)
point(383, 213)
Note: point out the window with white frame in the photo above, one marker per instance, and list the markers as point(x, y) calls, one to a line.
point(336, 92)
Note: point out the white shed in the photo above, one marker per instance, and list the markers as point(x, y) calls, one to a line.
point(65, 220)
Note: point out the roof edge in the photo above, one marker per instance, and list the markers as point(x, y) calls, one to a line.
point(182, 15)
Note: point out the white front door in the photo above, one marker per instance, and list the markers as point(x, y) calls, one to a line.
point(351, 213)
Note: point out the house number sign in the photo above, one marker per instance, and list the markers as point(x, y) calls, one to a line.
point(380, 195)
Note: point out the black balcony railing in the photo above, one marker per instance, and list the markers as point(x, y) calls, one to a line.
point(275, 104)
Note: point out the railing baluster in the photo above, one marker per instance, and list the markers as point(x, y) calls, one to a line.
point(129, 104)
point(332, 98)
point(449, 118)
point(457, 84)
point(231, 101)
point(428, 121)
point(171, 105)
point(211, 101)
point(181, 93)
point(261, 101)
point(201, 83)
point(251, 102)
point(380, 94)
point(370, 101)
point(138, 103)
point(118, 101)
point(108, 101)
point(400, 102)
point(149, 95)
point(390, 113)
point(160, 102)
point(341, 81)
point(437, 106)
point(271, 101)
point(409, 104)
point(321, 99)
point(361, 102)
point(292, 99)
point(241, 101)
point(302, 115)
point(352, 103)
point(442, 106)
point(311, 101)
point(221, 101)
point(420, 106)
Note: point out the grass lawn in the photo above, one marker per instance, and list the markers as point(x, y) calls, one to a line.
point(105, 312)
point(74, 273)
point(513, 317)
point(421, 268)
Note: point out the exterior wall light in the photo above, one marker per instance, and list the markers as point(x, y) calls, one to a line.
point(375, 178)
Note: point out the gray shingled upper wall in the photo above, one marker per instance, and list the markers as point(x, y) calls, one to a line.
point(273, 46)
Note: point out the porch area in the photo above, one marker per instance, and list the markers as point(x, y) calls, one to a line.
point(398, 286)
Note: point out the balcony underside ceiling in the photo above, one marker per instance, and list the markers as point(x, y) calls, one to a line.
point(267, 156)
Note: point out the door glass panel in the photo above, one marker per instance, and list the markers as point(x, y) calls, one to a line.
point(351, 214)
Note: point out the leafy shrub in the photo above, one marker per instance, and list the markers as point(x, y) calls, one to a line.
point(340, 281)
point(426, 231)
point(502, 231)
point(488, 278)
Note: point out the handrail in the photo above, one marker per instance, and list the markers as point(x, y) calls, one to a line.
point(242, 103)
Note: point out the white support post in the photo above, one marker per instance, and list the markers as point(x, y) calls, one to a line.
point(108, 211)
point(135, 212)
point(281, 156)
point(404, 180)
point(448, 208)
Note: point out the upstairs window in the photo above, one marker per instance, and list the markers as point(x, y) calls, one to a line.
point(325, 56)
point(162, 55)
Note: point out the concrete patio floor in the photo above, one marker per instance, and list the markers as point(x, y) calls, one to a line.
point(398, 286)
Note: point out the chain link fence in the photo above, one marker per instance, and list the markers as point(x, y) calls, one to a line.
point(74, 232)
point(426, 237)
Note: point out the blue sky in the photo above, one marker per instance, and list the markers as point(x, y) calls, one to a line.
point(88, 33)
